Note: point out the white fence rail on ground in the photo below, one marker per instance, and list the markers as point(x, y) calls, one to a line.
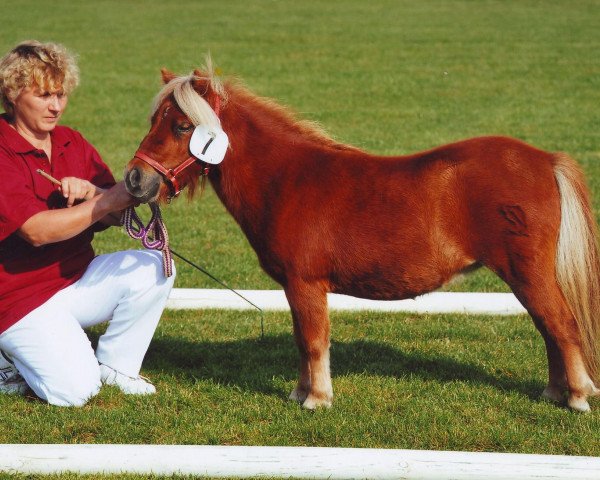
point(292, 462)
point(437, 302)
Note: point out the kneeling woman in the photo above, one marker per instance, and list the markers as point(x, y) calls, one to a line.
point(51, 284)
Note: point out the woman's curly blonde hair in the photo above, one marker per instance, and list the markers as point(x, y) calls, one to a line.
point(48, 66)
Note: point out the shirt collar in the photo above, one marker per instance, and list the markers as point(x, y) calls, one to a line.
point(18, 144)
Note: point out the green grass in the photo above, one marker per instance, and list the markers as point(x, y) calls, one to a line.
point(401, 381)
point(391, 77)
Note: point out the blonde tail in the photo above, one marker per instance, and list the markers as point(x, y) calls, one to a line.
point(578, 257)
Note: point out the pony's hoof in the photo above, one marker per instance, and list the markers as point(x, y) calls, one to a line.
point(312, 403)
point(298, 395)
point(553, 394)
point(578, 403)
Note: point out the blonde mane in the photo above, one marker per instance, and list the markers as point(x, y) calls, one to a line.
point(309, 130)
point(191, 102)
point(197, 109)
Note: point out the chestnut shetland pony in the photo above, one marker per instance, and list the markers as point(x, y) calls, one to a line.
point(326, 217)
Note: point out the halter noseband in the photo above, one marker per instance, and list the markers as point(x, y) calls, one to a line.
point(171, 174)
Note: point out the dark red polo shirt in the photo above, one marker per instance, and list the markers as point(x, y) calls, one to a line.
point(31, 275)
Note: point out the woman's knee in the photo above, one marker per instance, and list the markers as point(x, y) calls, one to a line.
point(77, 396)
point(69, 377)
point(69, 391)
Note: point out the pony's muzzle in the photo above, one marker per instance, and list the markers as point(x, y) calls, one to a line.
point(143, 186)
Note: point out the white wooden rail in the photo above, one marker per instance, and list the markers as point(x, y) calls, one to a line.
point(437, 302)
point(292, 462)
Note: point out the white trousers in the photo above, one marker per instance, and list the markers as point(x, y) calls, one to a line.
point(50, 348)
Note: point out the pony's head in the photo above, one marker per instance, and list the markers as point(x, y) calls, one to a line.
point(185, 137)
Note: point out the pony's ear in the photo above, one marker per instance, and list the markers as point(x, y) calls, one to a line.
point(201, 83)
point(167, 76)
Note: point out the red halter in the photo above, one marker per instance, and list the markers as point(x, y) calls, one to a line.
point(171, 174)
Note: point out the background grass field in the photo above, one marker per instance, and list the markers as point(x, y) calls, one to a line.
point(391, 77)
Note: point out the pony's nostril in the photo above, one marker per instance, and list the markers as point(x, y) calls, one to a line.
point(132, 180)
point(142, 187)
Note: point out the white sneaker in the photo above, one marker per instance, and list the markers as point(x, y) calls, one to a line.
point(11, 381)
point(128, 385)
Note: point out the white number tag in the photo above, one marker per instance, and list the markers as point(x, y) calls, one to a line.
point(209, 144)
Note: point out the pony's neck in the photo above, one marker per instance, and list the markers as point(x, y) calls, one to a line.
point(265, 138)
point(268, 146)
point(253, 159)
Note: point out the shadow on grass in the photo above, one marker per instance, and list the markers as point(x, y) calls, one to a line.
point(253, 365)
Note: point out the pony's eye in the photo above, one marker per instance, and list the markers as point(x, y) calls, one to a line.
point(184, 128)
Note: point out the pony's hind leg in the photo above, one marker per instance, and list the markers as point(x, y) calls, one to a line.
point(308, 303)
point(545, 303)
point(557, 377)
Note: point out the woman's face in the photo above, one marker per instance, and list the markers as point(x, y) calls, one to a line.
point(38, 110)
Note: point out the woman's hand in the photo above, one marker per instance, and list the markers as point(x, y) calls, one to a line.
point(75, 189)
point(116, 198)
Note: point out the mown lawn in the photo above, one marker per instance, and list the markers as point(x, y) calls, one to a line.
point(447, 382)
point(391, 77)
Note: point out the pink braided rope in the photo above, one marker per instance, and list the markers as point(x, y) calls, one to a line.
point(153, 236)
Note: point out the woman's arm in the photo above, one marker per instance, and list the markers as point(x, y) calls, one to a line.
point(57, 225)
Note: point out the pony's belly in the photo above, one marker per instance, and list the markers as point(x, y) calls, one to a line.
point(394, 285)
point(382, 289)
point(379, 295)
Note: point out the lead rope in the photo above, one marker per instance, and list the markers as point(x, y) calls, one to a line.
point(160, 241)
point(155, 229)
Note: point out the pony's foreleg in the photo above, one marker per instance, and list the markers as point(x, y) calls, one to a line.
point(302, 390)
point(308, 302)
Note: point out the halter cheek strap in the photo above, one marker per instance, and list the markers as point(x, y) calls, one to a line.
point(217, 107)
